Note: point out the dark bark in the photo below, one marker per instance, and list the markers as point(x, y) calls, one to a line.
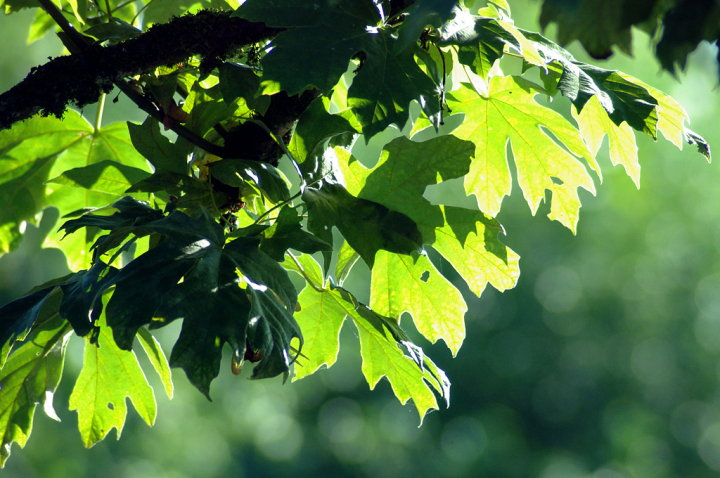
point(80, 78)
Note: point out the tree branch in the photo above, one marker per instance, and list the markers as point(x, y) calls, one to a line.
point(80, 78)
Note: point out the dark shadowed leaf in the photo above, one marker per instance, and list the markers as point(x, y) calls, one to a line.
point(241, 81)
point(162, 154)
point(215, 310)
point(258, 268)
point(366, 225)
point(106, 176)
point(235, 172)
point(287, 233)
point(19, 316)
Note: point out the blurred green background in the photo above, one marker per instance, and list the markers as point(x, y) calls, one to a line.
point(604, 362)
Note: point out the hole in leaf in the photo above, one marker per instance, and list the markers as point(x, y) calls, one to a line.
point(557, 181)
point(111, 406)
point(425, 276)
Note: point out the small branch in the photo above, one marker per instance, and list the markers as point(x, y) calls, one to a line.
point(149, 108)
point(62, 22)
point(109, 10)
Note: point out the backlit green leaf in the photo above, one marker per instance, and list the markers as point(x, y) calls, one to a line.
point(109, 375)
point(367, 225)
point(467, 238)
point(157, 358)
point(404, 170)
point(469, 241)
point(320, 319)
point(510, 113)
point(403, 284)
point(30, 377)
point(347, 257)
point(110, 143)
point(382, 358)
point(379, 338)
point(28, 151)
point(594, 124)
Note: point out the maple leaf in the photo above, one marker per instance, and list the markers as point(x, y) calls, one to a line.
point(108, 376)
point(411, 377)
point(466, 238)
point(318, 50)
point(510, 113)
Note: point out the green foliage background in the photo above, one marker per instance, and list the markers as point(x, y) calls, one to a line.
point(603, 362)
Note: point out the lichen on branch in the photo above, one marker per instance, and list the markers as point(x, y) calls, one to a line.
point(79, 79)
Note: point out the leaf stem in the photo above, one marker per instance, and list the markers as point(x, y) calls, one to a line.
point(76, 37)
point(99, 114)
point(124, 4)
point(277, 206)
point(109, 11)
point(302, 272)
point(288, 201)
point(132, 22)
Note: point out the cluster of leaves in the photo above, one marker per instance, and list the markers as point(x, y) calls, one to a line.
point(223, 269)
point(680, 25)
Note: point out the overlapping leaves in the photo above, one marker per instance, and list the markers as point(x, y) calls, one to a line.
point(86, 168)
point(193, 271)
point(466, 238)
point(324, 310)
point(30, 377)
point(510, 113)
point(317, 50)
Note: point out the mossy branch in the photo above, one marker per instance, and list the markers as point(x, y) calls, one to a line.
point(79, 79)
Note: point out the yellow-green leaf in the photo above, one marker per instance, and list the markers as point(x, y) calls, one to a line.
point(320, 320)
point(467, 238)
point(469, 241)
point(671, 115)
point(509, 113)
point(382, 358)
point(108, 376)
point(400, 284)
point(528, 50)
point(594, 124)
point(157, 358)
point(30, 377)
point(379, 338)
